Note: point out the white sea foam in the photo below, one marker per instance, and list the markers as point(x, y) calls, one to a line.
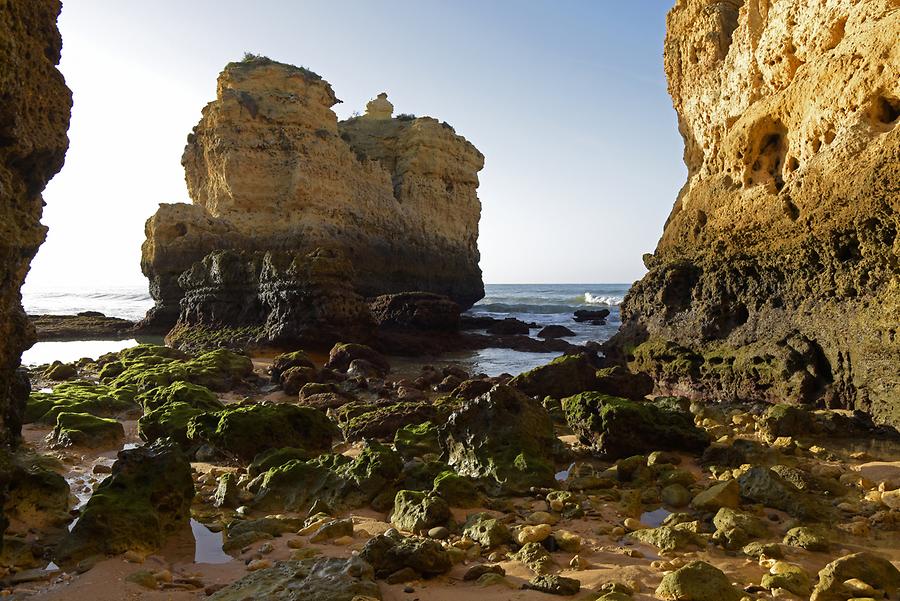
point(609, 301)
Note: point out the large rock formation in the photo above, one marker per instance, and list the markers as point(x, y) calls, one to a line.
point(272, 173)
point(778, 273)
point(34, 116)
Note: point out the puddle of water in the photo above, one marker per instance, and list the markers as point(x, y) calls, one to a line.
point(72, 350)
point(564, 475)
point(655, 518)
point(208, 545)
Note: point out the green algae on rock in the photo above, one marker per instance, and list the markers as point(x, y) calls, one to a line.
point(502, 438)
point(146, 498)
point(86, 430)
point(417, 440)
point(80, 397)
point(387, 553)
point(147, 367)
point(697, 581)
point(416, 511)
point(38, 497)
point(322, 579)
point(244, 430)
point(872, 569)
point(457, 490)
point(618, 427)
point(571, 374)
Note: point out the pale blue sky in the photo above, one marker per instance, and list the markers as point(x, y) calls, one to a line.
point(566, 99)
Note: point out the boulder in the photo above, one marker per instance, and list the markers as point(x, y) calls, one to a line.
point(553, 584)
point(286, 361)
point(789, 577)
point(37, 496)
point(669, 538)
point(582, 315)
point(79, 397)
point(508, 327)
point(555, 331)
point(418, 440)
point(762, 485)
point(416, 311)
point(322, 579)
point(697, 581)
point(502, 438)
point(486, 530)
point(87, 431)
point(874, 570)
point(618, 427)
point(390, 552)
point(572, 374)
point(295, 378)
point(810, 538)
point(60, 371)
point(146, 499)
point(419, 511)
point(342, 354)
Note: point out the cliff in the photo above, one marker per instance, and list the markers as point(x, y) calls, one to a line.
point(270, 170)
point(34, 118)
point(777, 276)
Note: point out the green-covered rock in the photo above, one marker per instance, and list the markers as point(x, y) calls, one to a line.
point(37, 497)
point(786, 420)
point(874, 570)
point(536, 558)
point(169, 409)
point(322, 579)
point(418, 511)
point(179, 392)
point(86, 430)
point(721, 494)
point(503, 438)
point(342, 354)
point(571, 374)
point(245, 430)
point(79, 397)
point(341, 482)
point(788, 576)
point(486, 530)
point(697, 581)
point(59, 371)
point(618, 427)
point(417, 440)
point(387, 553)
point(266, 460)
point(361, 420)
point(286, 361)
point(675, 495)
point(457, 490)
point(811, 538)
point(156, 366)
point(734, 529)
point(762, 485)
point(554, 584)
point(227, 493)
point(669, 538)
point(145, 499)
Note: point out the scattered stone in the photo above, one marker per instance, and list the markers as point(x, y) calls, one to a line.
point(872, 569)
point(486, 530)
point(479, 570)
point(788, 576)
point(697, 581)
point(533, 534)
point(332, 530)
point(808, 537)
point(536, 558)
point(553, 584)
point(390, 552)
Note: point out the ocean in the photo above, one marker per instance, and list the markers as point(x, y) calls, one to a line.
point(544, 304)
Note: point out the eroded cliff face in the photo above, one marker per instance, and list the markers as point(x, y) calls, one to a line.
point(270, 169)
point(34, 116)
point(777, 276)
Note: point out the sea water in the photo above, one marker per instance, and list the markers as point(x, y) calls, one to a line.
point(544, 304)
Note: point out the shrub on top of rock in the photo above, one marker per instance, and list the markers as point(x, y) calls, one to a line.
point(618, 427)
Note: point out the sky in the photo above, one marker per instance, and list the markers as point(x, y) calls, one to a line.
point(566, 99)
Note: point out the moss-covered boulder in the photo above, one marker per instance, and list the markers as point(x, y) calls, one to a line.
point(390, 552)
point(811, 538)
point(618, 427)
point(343, 354)
point(458, 491)
point(145, 499)
point(562, 377)
point(697, 581)
point(417, 440)
point(337, 480)
point(876, 571)
point(80, 397)
point(360, 420)
point(670, 538)
point(782, 419)
point(734, 529)
point(322, 579)
point(179, 392)
point(266, 460)
point(762, 485)
point(504, 439)
point(86, 430)
point(787, 576)
point(60, 371)
point(37, 496)
point(286, 361)
point(416, 511)
point(487, 530)
point(169, 409)
point(294, 379)
point(243, 431)
point(218, 370)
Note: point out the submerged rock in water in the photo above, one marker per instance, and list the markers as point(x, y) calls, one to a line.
point(322, 579)
point(619, 427)
point(503, 438)
point(145, 499)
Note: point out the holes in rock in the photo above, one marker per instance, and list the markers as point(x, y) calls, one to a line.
point(768, 155)
point(789, 208)
point(885, 111)
point(829, 136)
point(448, 186)
point(180, 230)
point(793, 164)
point(846, 248)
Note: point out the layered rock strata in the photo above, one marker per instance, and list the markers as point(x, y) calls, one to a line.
point(777, 276)
point(270, 170)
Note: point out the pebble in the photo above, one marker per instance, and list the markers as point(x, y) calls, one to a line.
point(133, 557)
point(266, 548)
point(533, 534)
point(439, 533)
point(541, 517)
point(259, 564)
point(632, 524)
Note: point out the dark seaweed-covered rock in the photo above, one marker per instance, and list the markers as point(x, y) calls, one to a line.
point(79, 397)
point(169, 409)
point(555, 331)
point(295, 378)
point(147, 366)
point(416, 511)
point(508, 327)
point(86, 430)
point(762, 485)
point(416, 311)
point(145, 499)
point(874, 570)
point(618, 427)
point(503, 438)
point(553, 584)
point(343, 353)
point(245, 430)
point(417, 440)
point(381, 420)
point(390, 552)
point(334, 479)
point(322, 579)
point(286, 361)
point(457, 490)
point(571, 374)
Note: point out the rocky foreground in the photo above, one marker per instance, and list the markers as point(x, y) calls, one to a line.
point(329, 478)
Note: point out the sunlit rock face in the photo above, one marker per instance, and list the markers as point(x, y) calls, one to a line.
point(777, 276)
point(270, 169)
point(34, 116)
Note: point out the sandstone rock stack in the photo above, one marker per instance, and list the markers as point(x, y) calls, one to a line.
point(778, 273)
point(34, 117)
point(271, 171)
